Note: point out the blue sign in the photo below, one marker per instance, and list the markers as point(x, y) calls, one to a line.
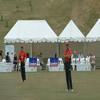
point(53, 62)
point(32, 62)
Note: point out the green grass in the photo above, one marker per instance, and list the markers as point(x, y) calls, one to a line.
point(46, 85)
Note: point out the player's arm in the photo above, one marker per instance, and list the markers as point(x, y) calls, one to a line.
point(69, 55)
point(65, 54)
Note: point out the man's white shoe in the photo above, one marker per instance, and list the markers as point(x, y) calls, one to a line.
point(67, 90)
point(72, 90)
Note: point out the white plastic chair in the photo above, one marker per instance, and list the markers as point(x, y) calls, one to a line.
point(82, 60)
point(60, 61)
point(27, 61)
point(73, 61)
point(77, 60)
point(38, 64)
point(87, 60)
point(3, 61)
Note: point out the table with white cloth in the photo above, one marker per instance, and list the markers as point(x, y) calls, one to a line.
point(32, 69)
point(83, 67)
point(60, 66)
point(6, 67)
point(82, 64)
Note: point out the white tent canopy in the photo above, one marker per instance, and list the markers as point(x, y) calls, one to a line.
point(94, 34)
point(71, 33)
point(30, 31)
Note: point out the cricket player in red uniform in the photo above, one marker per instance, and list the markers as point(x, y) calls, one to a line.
point(22, 58)
point(67, 56)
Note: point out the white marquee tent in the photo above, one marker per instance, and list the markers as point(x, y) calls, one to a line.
point(30, 31)
point(94, 34)
point(71, 33)
point(93, 40)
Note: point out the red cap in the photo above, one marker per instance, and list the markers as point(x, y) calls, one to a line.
point(22, 46)
point(67, 43)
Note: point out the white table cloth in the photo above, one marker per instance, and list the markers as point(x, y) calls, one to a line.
point(60, 66)
point(6, 67)
point(82, 64)
point(31, 69)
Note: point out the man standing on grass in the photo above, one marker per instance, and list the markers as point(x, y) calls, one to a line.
point(22, 58)
point(67, 56)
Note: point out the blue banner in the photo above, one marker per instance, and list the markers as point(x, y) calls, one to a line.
point(32, 62)
point(53, 62)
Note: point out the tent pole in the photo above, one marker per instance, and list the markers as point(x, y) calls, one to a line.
point(57, 46)
point(31, 49)
point(84, 47)
point(87, 48)
point(4, 49)
point(59, 49)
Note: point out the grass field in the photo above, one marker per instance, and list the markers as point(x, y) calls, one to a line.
point(46, 85)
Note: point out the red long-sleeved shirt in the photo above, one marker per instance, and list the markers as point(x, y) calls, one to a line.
point(68, 52)
point(22, 56)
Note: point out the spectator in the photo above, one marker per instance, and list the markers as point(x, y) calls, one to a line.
point(88, 56)
point(27, 55)
point(15, 61)
point(55, 55)
point(8, 58)
point(1, 54)
point(92, 60)
point(75, 56)
point(41, 60)
point(80, 55)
